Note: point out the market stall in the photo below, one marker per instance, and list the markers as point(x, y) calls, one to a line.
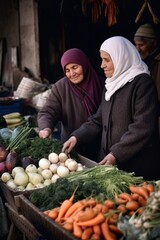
point(49, 194)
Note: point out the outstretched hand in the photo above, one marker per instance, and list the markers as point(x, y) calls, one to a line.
point(108, 160)
point(45, 133)
point(69, 144)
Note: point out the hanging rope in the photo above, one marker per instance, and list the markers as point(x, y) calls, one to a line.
point(147, 4)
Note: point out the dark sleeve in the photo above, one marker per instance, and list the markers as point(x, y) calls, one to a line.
point(50, 114)
point(141, 131)
point(90, 129)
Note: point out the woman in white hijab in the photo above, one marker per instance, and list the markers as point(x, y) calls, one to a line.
point(128, 115)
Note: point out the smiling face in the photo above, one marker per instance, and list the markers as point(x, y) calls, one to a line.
point(74, 72)
point(107, 64)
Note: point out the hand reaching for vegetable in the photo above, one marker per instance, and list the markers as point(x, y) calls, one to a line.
point(69, 144)
point(108, 160)
point(45, 133)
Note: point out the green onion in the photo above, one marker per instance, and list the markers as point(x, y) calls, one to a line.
point(22, 135)
point(110, 178)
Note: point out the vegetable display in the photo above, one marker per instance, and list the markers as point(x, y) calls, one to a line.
point(100, 182)
point(9, 158)
point(32, 176)
point(22, 146)
point(38, 148)
point(98, 203)
point(146, 224)
point(90, 218)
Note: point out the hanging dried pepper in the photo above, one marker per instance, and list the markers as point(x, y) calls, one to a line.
point(96, 8)
point(111, 11)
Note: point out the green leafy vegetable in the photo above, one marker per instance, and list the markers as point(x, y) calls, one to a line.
point(101, 182)
point(38, 148)
point(52, 195)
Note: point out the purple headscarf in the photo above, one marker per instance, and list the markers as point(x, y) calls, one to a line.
point(92, 83)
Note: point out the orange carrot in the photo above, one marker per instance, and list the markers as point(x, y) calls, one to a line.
point(132, 205)
point(74, 216)
point(95, 236)
point(140, 190)
point(65, 206)
point(99, 207)
point(135, 196)
point(125, 196)
point(119, 200)
point(68, 226)
point(113, 219)
point(53, 214)
point(143, 192)
point(77, 230)
point(94, 221)
point(46, 212)
point(87, 233)
point(122, 208)
point(109, 203)
point(133, 189)
point(115, 229)
point(107, 234)
point(86, 215)
point(91, 202)
point(150, 187)
point(97, 229)
point(142, 201)
point(73, 208)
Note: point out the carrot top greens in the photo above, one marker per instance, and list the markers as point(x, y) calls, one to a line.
point(101, 182)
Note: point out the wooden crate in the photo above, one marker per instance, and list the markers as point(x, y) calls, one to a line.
point(45, 225)
point(20, 227)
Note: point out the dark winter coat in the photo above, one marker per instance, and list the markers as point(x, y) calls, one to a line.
point(129, 126)
point(63, 105)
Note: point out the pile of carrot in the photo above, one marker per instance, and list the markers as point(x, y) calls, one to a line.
point(89, 219)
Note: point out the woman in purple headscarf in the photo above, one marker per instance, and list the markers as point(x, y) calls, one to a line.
point(73, 99)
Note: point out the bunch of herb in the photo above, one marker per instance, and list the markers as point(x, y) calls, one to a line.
point(38, 148)
point(101, 182)
point(110, 178)
point(52, 195)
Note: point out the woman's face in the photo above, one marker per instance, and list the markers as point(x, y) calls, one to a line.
point(107, 64)
point(74, 72)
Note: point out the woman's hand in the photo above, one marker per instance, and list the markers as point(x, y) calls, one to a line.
point(69, 144)
point(45, 133)
point(108, 160)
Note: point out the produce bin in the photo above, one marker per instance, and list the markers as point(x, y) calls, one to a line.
point(20, 227)
point(11, 105)
point(46, 226)
point(9, 193)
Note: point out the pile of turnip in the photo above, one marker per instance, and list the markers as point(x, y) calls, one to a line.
point(48, 171)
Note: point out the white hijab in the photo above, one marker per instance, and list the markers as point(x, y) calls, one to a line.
point(127, 63)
